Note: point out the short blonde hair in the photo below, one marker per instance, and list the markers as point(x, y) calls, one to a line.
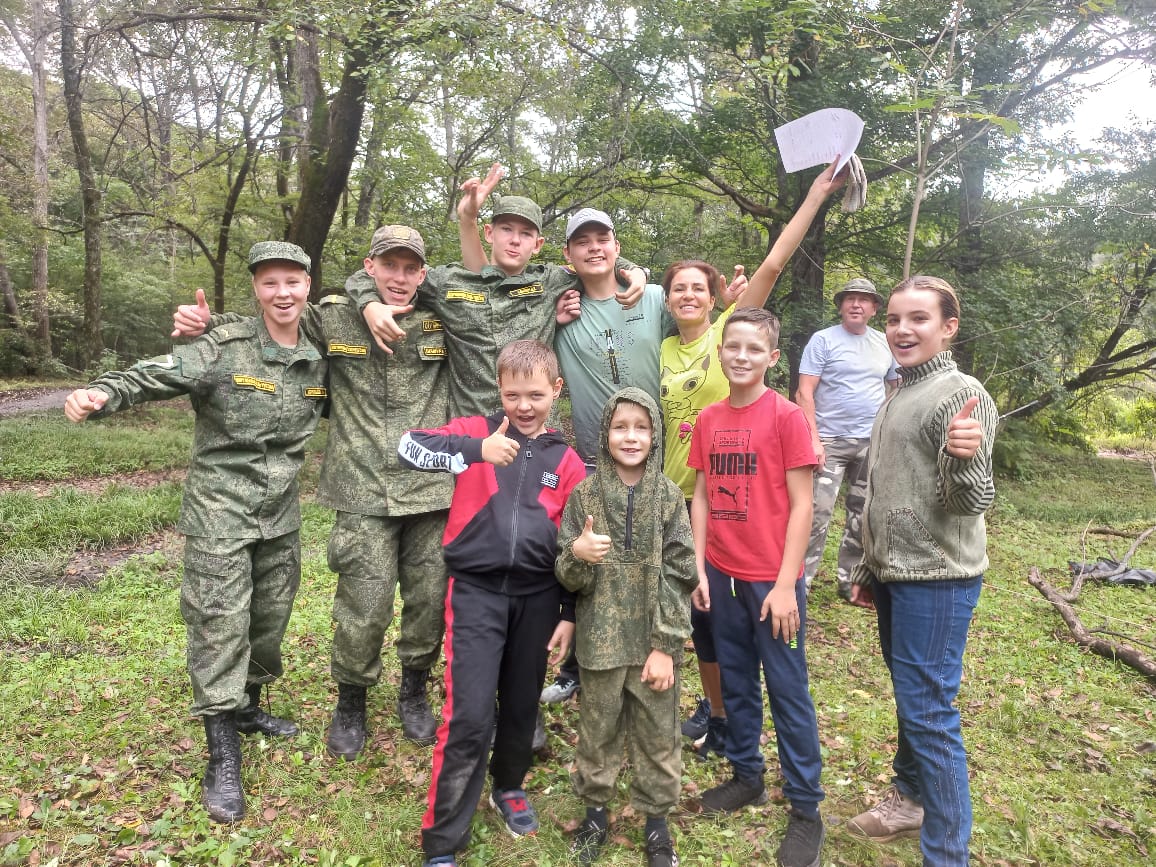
point(527, 357)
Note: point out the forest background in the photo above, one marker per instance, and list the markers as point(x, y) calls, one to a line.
point(145, 147)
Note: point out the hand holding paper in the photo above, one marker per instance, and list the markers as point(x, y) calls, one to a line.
point(818, 138)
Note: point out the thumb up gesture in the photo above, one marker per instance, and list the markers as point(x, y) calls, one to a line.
point(190, 320)
point(498, 449)
point(964, 433)
point(590, 546)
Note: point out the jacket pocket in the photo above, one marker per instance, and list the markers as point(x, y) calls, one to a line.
point(911, 549)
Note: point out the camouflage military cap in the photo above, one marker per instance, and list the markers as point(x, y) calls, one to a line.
point(519, 206)
point(862, 286)
point(397, 237)
point(283, 251)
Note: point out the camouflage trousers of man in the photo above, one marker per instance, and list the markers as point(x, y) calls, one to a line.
point(616, 707)
point(846, 459)
point(236, 598)
point(373, 555)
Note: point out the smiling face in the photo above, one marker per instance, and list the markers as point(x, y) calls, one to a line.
point(690, 299)
point(513, 242)
point(745, 354)
point(527, 399)
point(282, 288)
point(396, 274)
point(856, 310)
point(629, 439)
point(592, 250)
point(916, 328)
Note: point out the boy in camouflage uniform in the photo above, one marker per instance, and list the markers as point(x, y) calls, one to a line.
point(389, 519)
point(625, 550)
point(485, 307)
point(257, 389)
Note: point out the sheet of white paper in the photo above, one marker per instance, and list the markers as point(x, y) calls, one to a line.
point(817, 138)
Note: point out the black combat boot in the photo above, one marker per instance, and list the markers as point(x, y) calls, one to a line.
point(347, 731)
point(252, 720)
point(221, 791)
point(417, 721)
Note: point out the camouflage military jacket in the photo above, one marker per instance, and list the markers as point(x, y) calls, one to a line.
point(482, 313)
point(638, 598)
point(374, 399)
point(256, 403)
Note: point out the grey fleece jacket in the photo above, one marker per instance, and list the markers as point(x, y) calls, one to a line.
point(923, 518)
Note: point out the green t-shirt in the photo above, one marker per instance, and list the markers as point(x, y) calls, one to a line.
point(606, 349)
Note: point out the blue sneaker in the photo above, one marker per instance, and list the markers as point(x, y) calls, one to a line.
point(519, 816)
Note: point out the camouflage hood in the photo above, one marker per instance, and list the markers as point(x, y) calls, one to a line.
point(631, 514)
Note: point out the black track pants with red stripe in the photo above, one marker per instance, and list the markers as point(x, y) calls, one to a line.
point(495, 646)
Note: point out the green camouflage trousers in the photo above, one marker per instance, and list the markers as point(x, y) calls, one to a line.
point(236, 598)
point(372, 556)
point(846, 458)
point(616, 704)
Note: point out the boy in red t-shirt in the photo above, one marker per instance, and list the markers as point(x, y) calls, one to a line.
point(751, 516)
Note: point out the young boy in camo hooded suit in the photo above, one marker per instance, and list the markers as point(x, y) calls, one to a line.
point(625, 549)
point(257, 388)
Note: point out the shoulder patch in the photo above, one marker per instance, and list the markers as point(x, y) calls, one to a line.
point(166, 362)
point(335, 299)
point(354, 350)
point(242, 381)
point(527, 291)
point(466, 295)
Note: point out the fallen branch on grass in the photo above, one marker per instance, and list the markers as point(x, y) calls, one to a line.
point(1122, 651)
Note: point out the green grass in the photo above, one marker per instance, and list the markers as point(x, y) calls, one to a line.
point(105, 761)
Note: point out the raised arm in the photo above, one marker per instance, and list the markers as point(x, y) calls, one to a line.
point(767, 275)
point(474, 192)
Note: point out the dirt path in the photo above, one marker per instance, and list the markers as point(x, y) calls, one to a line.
point(24, 400)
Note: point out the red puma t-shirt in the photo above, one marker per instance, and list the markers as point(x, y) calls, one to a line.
point(745, 453)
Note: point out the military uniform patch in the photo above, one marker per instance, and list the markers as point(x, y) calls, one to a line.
point(242, 381)
point(433, 352)
point(428, 325)
point(532, 290)
point(351, 349)
point(466, 295)
point(316, 391)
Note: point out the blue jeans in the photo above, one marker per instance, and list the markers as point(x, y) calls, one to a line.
point(923, 631)
point(744, 645)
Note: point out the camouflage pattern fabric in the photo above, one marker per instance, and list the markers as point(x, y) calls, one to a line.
point(236, 598)
point(846, 458)
point(638, 598)
point(481, 314)
point(617, 705)
point(371, 556)
point(257, 402)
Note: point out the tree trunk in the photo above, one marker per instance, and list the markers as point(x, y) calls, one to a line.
point(11, 308)
point(334, 131)
point(92, 342)
point(367, 195)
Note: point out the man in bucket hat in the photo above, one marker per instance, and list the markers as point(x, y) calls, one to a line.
point(844, 375)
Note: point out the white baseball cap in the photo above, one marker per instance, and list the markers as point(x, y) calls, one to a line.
point(587, 215)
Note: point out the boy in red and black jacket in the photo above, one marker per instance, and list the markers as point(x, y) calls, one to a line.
point(505, 608)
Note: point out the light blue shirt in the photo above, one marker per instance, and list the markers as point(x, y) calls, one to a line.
point(853, 370)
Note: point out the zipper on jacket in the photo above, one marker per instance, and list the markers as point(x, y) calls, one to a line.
point(529, 449)
point(629, 543)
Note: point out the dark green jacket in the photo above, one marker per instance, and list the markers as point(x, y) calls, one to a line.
point(256, 403)
point(638, 598)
